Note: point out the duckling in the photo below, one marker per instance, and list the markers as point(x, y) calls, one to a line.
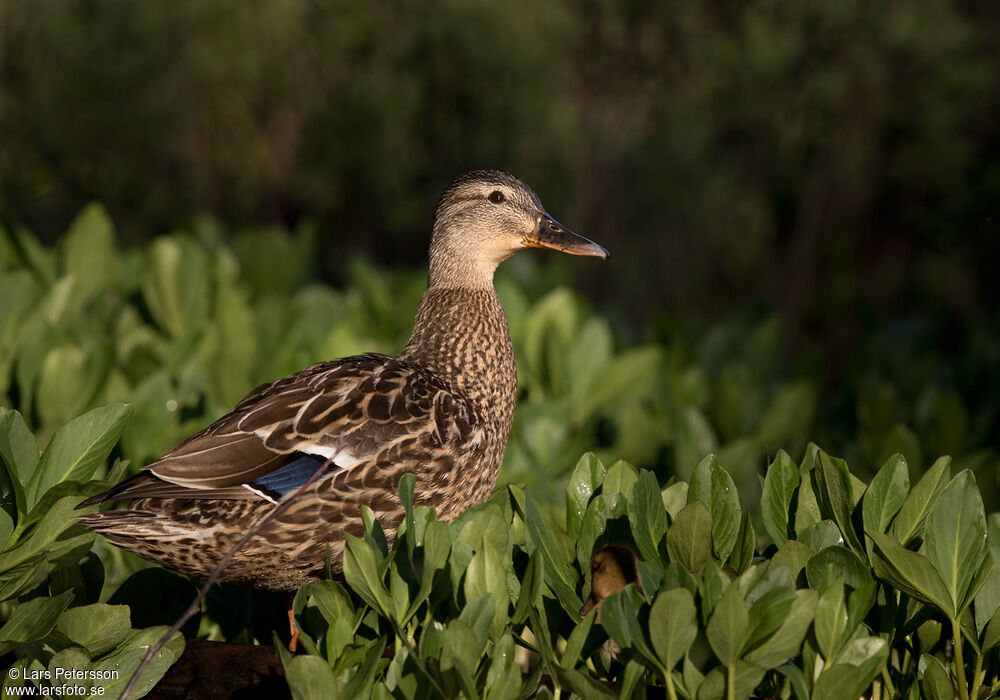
point(441, 409)
point(612, 567)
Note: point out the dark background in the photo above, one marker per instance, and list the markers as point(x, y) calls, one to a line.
point(835, 163)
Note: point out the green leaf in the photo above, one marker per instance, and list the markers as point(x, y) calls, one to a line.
point(910, 520)
point(886, 494)
point(729, 627)
point(310, 678)
point(361, 573)
point(786, 642)
point(646, 516)
point(935, 682)
point(574, 645)
point(586, 478)
point(747, 677)
point(909, 572)
point(837, 561)
point(130, 653)
point(766, 615)
point(832, 484)
point(673, 625)
point(558, 573)
point(845, 681)
point(32, 620)
point(674, 498)
point(52, 525)
point(712, 485)
point(746, 542)
point(780, 484)
point(88, 253)
point(78, 448)
point(821, 535)
point(955, 536)
point(793, 555)
point(97, 628)
point(486, 574)
point(831, 620)
point(620, 478)
point(620, 616)
point(689, 539)
point(19, 452)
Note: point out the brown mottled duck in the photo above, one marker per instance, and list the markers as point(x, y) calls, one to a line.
point(440, 409)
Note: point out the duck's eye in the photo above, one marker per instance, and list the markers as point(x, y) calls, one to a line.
point(496, 196)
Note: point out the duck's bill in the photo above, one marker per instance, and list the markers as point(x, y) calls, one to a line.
point(551, 234)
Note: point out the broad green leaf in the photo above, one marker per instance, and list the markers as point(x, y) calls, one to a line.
point(987, 601)
point(646, 516)
point(837, 561)
point(127, 656)
point(712, 485)
point(936, 683)
point(910, 572)
point(844, 681)
point(675, 498)
point(558, 574)
point(747, 677)
point(832, 484)
point(672, 625)
point(361, 573)
point(909, 522)
point(886, 494)
point(620, 478)
point(97, 628)
point(831, 620)
point(766, 615)
point(19, 451)
point(746, 541)
point(32, 620)
point(88, 253)
point(786, 642)
point(780, 485)
point(583, 482)
point(574, 645)
point(793, 555)
point(310, 678)
point(503, 680)
point(689, 539)
point(729, 627)
point(78, 448)
point(620, 618)
point(821, 535)
point(993, 537)
point(486, 574)
point(175, 284)
point(955, 535)
point(59, 517)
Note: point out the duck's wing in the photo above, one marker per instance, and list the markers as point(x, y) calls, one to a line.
point(350, 411)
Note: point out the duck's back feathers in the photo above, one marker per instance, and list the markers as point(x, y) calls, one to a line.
point(358, 412)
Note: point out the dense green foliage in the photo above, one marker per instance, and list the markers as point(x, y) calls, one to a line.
point(857, 583)
point(52, 598)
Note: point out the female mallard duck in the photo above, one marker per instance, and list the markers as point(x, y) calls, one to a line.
point(441, 409)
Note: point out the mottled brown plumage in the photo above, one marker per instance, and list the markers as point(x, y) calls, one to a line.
point(441, 409)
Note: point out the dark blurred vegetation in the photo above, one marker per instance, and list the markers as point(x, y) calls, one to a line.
point(840, 161)
point(792, 192)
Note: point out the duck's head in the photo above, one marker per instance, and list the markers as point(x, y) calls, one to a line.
point(486, 216)
point(611, 569)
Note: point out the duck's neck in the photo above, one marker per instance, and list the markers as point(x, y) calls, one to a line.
point(461, 334)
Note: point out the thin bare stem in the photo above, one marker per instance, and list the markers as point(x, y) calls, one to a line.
point(214, 575)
